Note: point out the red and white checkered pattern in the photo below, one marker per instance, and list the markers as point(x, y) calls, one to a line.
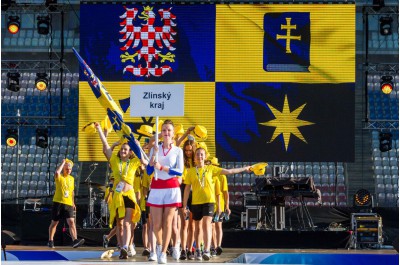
point(139, 71)
point(151, 37)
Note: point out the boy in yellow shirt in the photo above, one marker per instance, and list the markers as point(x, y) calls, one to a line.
point(63, 203)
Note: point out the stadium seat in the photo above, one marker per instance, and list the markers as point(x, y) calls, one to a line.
point(7, 158)
point(31, 193)
point(391, 199)
point(385, 161)
point(25, 149)
point(378, 170)
point(324, 169)
point(35, 176)
point(387, 179)
point(395, 179)
point(41, 185)
point(342, 197)
point(42, 176)
point(23, 193)
point(379, 179)
point(33, 184)
point(246, 179)
point(31, 158)
point(11, 184)
point(56, 141)
point(317, 179)
point(300, 169)
point(72, 141)
point(21, 166)
point(308, 169)
point(325, 188)
point(324, 179)
point(380, 188)
point(25, 184)
point(238, 179)
point(340, 178)
point(381, 198)
point(377, 161)
point(27, 175)
point(36, 167)
point(388, 188)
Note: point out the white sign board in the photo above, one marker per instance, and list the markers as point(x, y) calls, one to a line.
point(157, 100)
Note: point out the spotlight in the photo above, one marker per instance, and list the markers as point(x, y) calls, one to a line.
point(362, 199)
point(12, 137)
point(13, 24)
point(385, 25)
point(41, 81)
point(387, 84)
point(385, 141)
point(13, 81)
point(43, 25)
point(42, 138)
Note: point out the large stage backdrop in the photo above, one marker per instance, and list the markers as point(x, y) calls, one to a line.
point(269, 82)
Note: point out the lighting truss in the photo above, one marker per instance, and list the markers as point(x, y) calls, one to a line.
point(33, 121)
point(32, 65)
point(382, 67)
point(381, 125)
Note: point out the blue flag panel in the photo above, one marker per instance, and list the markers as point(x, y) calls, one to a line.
point(284, 122)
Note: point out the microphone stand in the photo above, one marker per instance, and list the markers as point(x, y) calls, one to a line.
point(90, 216)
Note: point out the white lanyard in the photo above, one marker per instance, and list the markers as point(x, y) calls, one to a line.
point(64, 183)
point(202, 177)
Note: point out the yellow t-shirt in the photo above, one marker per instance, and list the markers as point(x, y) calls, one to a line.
point(146, 180)
point(224, 188)
point(137, 181)
point(203, 183)
point(120, 170)
point(64, 189)
point(109, 201)
point(185, 169)
point(123, 171)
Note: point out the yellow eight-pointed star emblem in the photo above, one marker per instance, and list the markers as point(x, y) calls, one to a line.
point(286, 123)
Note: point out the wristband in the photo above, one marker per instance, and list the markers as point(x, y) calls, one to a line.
point(161, 168)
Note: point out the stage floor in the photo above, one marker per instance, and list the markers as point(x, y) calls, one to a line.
point(91, 255)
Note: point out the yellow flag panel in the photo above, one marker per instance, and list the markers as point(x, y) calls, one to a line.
point(199, 110)
point(249, 37)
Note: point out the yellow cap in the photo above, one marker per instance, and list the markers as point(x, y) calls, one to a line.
point(259, 168)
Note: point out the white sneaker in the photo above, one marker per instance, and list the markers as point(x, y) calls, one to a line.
point(197, 255)
point(158, 251)
point(131, 251)
point(163, 258)
point(206, 255)
point(175, 253)
point(152, 256)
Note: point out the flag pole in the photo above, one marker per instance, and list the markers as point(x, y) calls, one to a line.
point(156, 143)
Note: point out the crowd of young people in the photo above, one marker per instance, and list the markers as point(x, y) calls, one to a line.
point(179, 194)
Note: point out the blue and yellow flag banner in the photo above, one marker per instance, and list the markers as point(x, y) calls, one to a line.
point(269, 82)
point(112, 110)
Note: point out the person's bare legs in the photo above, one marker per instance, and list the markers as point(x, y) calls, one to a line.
point(207, 232)
point(72, 228)
point(52, 229)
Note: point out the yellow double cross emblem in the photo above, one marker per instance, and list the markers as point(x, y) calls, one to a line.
point(288, 37)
